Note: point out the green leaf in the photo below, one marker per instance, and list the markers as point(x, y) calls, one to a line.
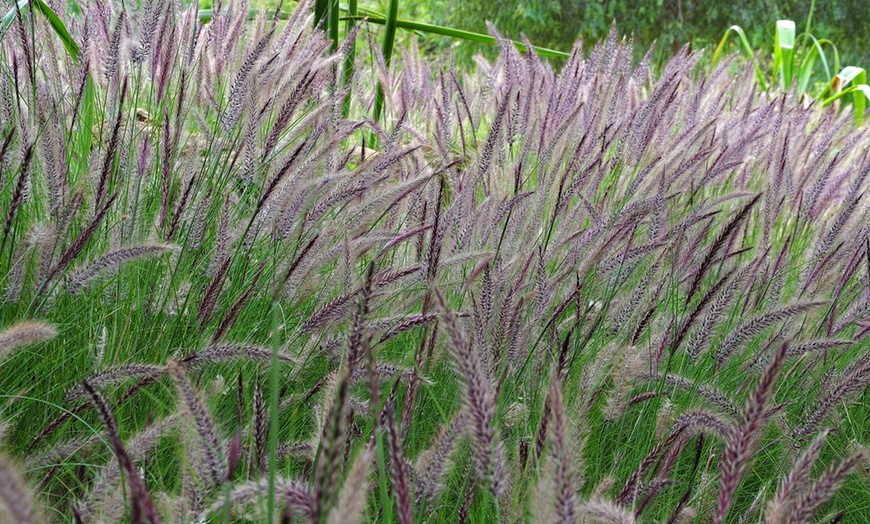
point(10, 15)
point(852, 81)
point(859, 101)
point(783, 53)
point(374, 17)
point(808, 64)
point(736, 29)
point(853, 75)
point(855, 80)
point(455, 33)
point(56, 24)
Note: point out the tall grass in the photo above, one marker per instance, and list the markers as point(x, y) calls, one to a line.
point(589, 295)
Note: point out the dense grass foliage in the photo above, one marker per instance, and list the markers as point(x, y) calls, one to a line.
point(587, 295)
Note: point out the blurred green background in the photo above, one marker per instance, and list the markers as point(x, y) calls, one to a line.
point(667, 24)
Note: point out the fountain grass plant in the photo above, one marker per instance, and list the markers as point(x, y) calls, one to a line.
point(597, 294)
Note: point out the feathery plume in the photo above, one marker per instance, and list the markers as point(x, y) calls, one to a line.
point(197, 414)
point(755, 326)
point(24, 333)
point(741, 446)
point(351, 505)
point(16, 502)
point(479, 401)
point(294, 493)
point(777, 507)
point(111, 260)
point(564, 476)
point(824, 488)
point(144, 511)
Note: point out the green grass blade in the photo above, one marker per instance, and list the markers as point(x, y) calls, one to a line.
point(853, 80)
point(859, 94)
point(273, 408)
point(390, 30)
point(59, 29)
point(849, 75)
point(806, 68)
point(736, 29)
point(853, 75)
point(809, 22)
point(83, 136)
point(383, 475)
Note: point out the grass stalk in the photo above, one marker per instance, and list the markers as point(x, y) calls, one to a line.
point(387, 49)
point(274, 384)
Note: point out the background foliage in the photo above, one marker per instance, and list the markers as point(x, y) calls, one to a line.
point(667, 23)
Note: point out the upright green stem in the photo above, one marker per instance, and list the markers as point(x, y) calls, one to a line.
point(389, 40)
point(273, 409)
point(383, 474)
point(332, 24)
point(347, 76)
point(227, 501)
point(809, 22)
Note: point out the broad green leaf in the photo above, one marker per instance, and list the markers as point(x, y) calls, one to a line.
point(806, 69)
point(854, 80)
point(10, 15)
point(860, 93)
point(860, 97)
point(851, 81)
point(852, 74)
point(59, 28)
point(783, 52)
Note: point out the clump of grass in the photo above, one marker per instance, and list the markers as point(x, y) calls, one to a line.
point(601, 293)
